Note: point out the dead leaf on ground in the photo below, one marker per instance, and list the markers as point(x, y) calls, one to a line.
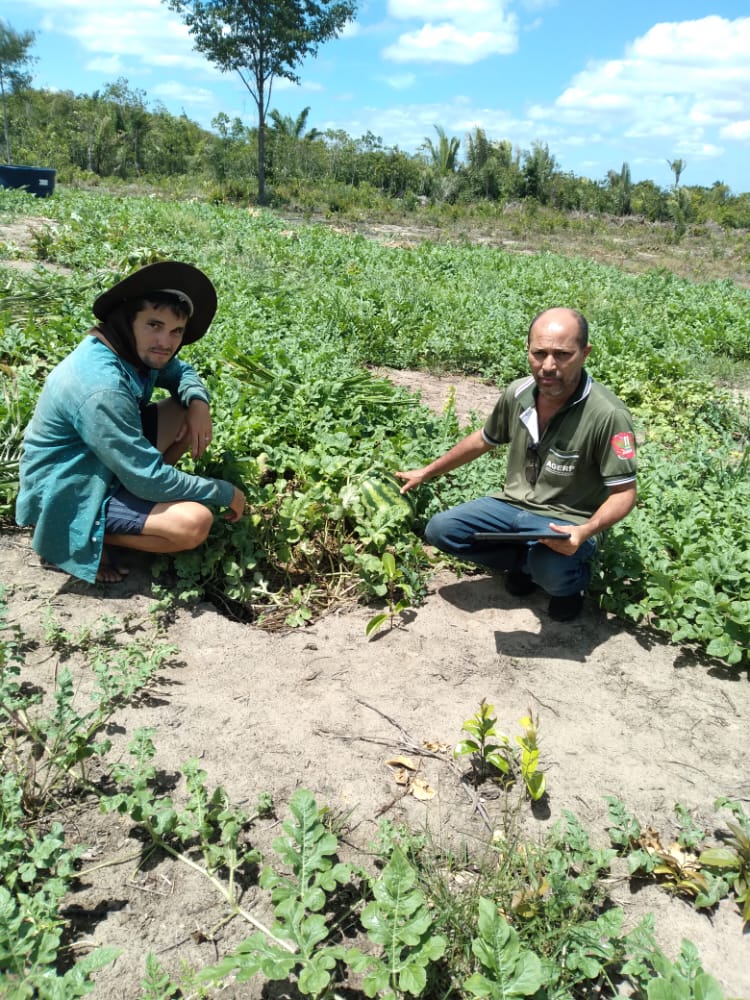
point(404, 773)
point(421, 790)
point(406, 762)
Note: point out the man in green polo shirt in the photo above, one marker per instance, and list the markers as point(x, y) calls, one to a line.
point(571, 471)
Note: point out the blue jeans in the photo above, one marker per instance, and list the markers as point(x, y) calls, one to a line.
point(560, 576)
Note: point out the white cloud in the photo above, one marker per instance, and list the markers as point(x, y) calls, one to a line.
point(120, 32)
point(110, 66)
point(401, 81)
point(692, 43)
point(448, 43)
point(701, 62)
point(141, 29)
point(715, 111)
point(282, 85)
point(575, 97)
point(410, 124)
point(171, 90)
point(737, 130)
point(705, 150)
point(453, 31)
point(681, 87)
point(580, 140)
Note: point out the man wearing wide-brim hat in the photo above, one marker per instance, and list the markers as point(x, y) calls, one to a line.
point(98, 459)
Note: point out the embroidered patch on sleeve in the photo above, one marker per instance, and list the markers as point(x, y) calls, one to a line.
point(623, 445)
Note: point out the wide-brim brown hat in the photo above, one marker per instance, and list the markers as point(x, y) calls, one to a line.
point(166, 276)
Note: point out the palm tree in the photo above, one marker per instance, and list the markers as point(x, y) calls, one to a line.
point(538, 167)
point(444, 156)
point(678, 168)
point(479, 148)
point(621, 187)
point(289, 144)
point(489, 169)
point(284, 126)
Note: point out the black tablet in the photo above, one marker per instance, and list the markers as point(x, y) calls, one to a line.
point(517, 536)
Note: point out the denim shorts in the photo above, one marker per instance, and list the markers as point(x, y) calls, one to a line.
point(127, 513)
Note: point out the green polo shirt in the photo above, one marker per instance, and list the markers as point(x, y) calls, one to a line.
point(587, 447)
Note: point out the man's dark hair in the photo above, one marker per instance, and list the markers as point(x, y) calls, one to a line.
point(158, 300)
point(581, 321)
point(118, 326)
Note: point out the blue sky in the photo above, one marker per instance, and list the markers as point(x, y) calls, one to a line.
point(601, 83)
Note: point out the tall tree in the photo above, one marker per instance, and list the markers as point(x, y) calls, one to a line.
point(289, 143)
point(490, 169)
point(132, 122)
point(444, 155)
point(678, 168)
point(262, 41)
point(621, 187)
point(538, 169)
point(14, 56)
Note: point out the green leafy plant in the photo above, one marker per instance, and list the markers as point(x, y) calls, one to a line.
point(156, 984)
point(552, 893)
point(100, 634)
point(36, 871)
point(655, 977)
point(30, 941)
point(731, 861)
point(322, 421)
point(676, 865)
point(508, 969)
point(13, 418)
point(394, 580)
point(208, 826)
point(45, 749)
point(491, 751)
point(561, 913)
point(45, 746)
point(533, 777)
point(684, 979)
point(689, 835)
point(488, 750)
point(300, 942)
point(399, 920)
point(391, 836)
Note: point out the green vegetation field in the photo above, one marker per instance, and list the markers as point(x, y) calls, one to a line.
point(302, 423)
point(303, 311)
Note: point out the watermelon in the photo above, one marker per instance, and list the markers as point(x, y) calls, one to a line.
point(379, 493)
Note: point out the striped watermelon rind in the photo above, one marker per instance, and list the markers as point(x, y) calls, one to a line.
point(379, 493)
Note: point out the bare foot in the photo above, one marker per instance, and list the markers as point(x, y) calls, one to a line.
point(109, 571)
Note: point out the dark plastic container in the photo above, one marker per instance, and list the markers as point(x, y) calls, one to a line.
point(37, 180)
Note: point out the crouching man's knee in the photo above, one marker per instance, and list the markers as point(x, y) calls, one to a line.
point(438, 531)
point(194, 524)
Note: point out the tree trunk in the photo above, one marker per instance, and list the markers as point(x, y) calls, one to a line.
point(261, 156)
point(5, 120)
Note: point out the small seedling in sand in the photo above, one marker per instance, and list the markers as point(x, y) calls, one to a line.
point(488, 749)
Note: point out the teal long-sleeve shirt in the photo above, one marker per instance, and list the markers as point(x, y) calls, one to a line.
point(86, 438)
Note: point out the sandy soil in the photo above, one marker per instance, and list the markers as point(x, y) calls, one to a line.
point(621, 713)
